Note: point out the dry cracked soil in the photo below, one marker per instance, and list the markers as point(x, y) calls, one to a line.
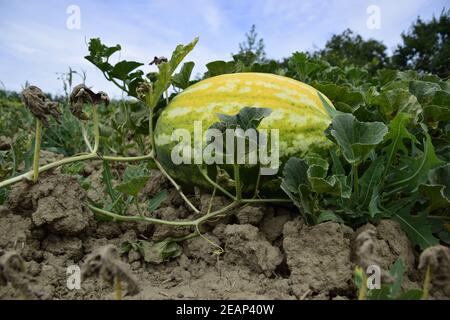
point(268, 252)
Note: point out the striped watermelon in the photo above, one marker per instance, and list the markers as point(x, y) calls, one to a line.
point(296, 111)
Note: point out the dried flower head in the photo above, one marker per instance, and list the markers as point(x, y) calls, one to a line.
point(80, 95)
point(105, 263)
point(158, 61)
point(12, 270)
point(36, 101)
point(438, 259)
point(143, 89)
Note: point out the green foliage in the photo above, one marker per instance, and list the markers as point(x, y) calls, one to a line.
point(390, 291)
point(134, 180)
point(349, 49)
point(182, 79)
point(425, 46)
point(356, 139)
point(154, 252)
point(156, 201)
point(252, 49)
point(390, 153)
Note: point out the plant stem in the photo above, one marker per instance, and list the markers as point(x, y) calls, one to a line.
point(265, 200)
point(426, 284)
point(96, 129)
point(237, 182)
point(138, 218)
point(136, 201)
point(211, 200)
point(216, 185)
point(355, 180)
point(186, 237)
point(176, 186)
point(90, 156)
point(192, 223)
point(150, 131)
point(118, 287)
point(258, 180)
point(86, 138)
point(37, 150)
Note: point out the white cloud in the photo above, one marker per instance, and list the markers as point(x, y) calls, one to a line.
point(35, 43)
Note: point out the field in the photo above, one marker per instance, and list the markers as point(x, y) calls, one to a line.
point(84, 192)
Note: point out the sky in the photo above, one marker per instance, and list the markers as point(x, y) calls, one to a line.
point(39, 39)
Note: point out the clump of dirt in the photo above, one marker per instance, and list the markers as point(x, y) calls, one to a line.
point(381, 245)
point(245, 245)
point(319, 257)
point(57, 202)
point(256, 252)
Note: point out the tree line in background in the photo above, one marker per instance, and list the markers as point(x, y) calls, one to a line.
point(425, 47)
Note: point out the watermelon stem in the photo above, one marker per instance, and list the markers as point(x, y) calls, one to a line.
point(215, 184)
point(176, 186)
point(37, 150)
point(237, 182)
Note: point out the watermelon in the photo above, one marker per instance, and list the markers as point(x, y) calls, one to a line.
point(297, 112)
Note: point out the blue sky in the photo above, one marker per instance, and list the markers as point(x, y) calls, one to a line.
point(35, 42)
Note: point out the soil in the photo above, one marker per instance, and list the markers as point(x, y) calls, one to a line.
point(268, 252)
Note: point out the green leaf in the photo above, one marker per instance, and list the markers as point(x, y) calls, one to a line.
point(343, 97)
point(413, 294)
point(181, 79)
point(332, 112)
point(217, 68)
point(166, 71)
point(99, 54)
point(180, 52)
point(417, 228)
point(296, 185)
point(246, 118)
point(328, 215)
point(391, 102)
point(396, 135)
point(397, 271)
point(134, 180)
point(356, 138)
point(158, 252)
point(107, 180)
point(438, 188)
point(337, 185)
point(295, 174)
point(123, 68)
point(423, 90)
point(413, 171)
point(161, 84)
point(156, 201)
point(370, 181)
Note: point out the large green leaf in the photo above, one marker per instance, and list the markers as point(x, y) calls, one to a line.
point(356, 138)
point(134, 180)
point(166, 70)
point(320, 182)
point(296, 185)
point(370, 181)
point(416, 227)
point(217, 68)
point(413, 171)
point(396, 135)
point(182, 79)
point(180, 52)
point(437, 189)
point(391, 102)
point(123, 68)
